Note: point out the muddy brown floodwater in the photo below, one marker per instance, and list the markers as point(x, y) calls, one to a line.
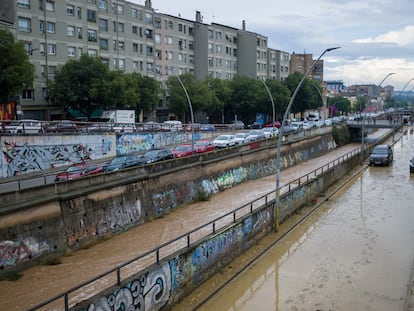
point(354, 253)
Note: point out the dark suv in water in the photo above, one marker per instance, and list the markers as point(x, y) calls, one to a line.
point(381, 155)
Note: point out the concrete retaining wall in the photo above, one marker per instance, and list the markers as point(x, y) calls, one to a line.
point(164, 284)
point(110, 205)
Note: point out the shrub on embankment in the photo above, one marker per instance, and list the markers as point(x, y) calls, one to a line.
point(341, 134)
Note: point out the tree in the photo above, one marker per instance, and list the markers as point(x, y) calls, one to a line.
point(84, 84)
point(281, 95)
point(337, 105)
point(307, 96)
point(221, 95)
point(17, 73)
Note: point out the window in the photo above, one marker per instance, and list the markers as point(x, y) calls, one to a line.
point(50, 27)
point(120, 27)
point(150, 67)
point(158, 70)
point(28, 47)
point(103, 24)
point(70, 31)
point(148, 33)
point(51, 49)
point(170, 24)
point(121, 64)
point(103, 5)
point(210, 48)
point(79, 12)
point(25, 4)
point(70, 10)
point(120, 9)
point(158, 54)
point(103, 44)
point(135, 29)
point(148, 18)
point(91, 35)
point(92, 52)
point(157, 23)
point(135, 47)
point(42, 49)
point(134, 13)
point(79, 32)
point(50, 6)
point(91, 16)
point(24, 24)
point(121, 45)
point(28, 94)
point(71, 51)
point(191, 45)
point(157, 38)
point(135, 65)
point(149, 51)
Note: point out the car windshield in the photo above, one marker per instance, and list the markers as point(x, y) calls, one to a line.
point(379, 151)
point(73, 169)
point(222, 138)
point(182, 148)
point(153, 153)
point(202, 143)
point(240, 135)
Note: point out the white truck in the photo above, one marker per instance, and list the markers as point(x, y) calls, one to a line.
point(120, 121)
point(312, 115)
point(119, 116)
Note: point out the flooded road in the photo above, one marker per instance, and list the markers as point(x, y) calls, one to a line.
point(39, 283)
point(354, 253)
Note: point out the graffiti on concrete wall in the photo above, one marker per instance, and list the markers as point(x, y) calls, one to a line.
point(149, 291)
point(134, 142)
point(28, 158)
point(15, 252)
point(116, 218)
point(164, 201)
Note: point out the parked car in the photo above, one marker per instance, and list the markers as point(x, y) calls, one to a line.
point(124, 128)
point(270, 131)
point(27, 126)
point(255, 125)
point(381, 155)
point(172, 126)
point(276, 124)
point(255, 135)
point(79, 170)
point(203, 145)
point(183, 150)
point(297, 126)
point(225, 141)
point(151, 126)
point(196, 127)
point(242, 138)
point(207, 128)
point(156, 155)
point(237, 125)
point(62, 126)
point(121, 162)
point(97, 127)
point(412, 165)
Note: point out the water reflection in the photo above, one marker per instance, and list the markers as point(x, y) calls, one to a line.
point(354, 253)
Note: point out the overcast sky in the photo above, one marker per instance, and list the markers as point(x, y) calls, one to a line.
point(376, 36)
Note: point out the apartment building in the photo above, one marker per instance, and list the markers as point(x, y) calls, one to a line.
point(302, 62)
point(134, 38)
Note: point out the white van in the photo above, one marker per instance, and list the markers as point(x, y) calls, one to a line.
point(172, 126)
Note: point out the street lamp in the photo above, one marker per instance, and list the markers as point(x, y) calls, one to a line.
point(395, 107)
point(323, 101)
point(279, 141)
point(271, 99)
point(191, 112)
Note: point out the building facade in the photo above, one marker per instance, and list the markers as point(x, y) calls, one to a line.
point(133, 38)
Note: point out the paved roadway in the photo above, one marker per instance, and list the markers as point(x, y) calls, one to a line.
point(42, 282)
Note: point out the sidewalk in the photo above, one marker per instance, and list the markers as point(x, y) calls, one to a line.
point(42, 282)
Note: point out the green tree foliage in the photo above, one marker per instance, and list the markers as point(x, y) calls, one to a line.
point(87, 84)
point(16, 71)
point(221, 95)
point(281, 95)
point(361, 103)
point(307, 97)
point(338, 105)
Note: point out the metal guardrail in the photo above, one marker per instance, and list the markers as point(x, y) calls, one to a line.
point(186, 240)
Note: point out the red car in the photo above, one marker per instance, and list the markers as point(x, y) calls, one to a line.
point(182, 151)
point(276, 124)
point(79, 170)
point(204, 146)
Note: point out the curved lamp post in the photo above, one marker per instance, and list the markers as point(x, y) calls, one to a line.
point(279, 141)
point(395, 107)
point(323, 102)
point(271, 99)
point(191, 112)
